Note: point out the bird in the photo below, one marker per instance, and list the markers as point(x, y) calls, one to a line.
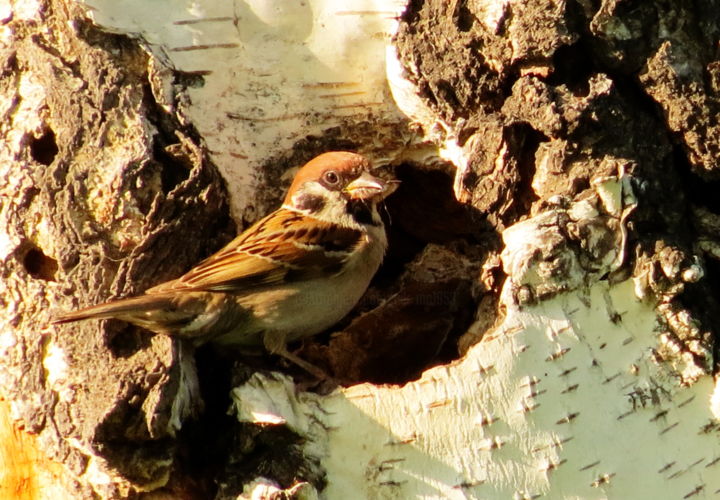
point(293, 274)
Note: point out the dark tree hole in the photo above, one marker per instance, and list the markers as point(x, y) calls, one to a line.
point(43, 149)
point(424, 210)
point(702, 301)
point(401, 328)
point(465, 19)
point(175, 168)
point(39, 265)
point(524, 142)
point(573, 68)
point(704, 189)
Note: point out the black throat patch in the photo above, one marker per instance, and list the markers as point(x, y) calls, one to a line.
point(361, 212)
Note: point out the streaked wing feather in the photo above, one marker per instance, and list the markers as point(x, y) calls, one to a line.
point(284, 246)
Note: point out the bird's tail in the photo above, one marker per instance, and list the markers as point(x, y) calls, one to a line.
point(125, 309)
point(197, 316)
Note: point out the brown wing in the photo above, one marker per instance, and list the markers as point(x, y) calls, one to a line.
point(284, 246)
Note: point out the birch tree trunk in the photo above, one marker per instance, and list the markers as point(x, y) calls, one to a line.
point(544, 323)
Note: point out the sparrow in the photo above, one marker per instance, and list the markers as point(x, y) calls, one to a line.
point(292, 274)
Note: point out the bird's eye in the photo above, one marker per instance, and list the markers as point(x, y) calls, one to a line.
point(331, 177)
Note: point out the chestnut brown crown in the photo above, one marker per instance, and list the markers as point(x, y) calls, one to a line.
point(336, 168)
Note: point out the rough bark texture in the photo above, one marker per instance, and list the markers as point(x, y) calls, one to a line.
point(105, 191)
point(546, 98)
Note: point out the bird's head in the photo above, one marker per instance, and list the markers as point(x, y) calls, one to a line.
point(336, 184)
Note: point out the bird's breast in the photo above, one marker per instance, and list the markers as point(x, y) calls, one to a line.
point(304, 308)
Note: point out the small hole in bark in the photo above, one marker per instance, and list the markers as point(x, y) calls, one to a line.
point(573, 68)
point(465, 19)
point(39, 265)
point(171, 176)
point(43, 149)
point(523, 142)
point(176, 166)
point(579, 184)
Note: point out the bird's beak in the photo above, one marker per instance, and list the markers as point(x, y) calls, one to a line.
point(366, 186)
